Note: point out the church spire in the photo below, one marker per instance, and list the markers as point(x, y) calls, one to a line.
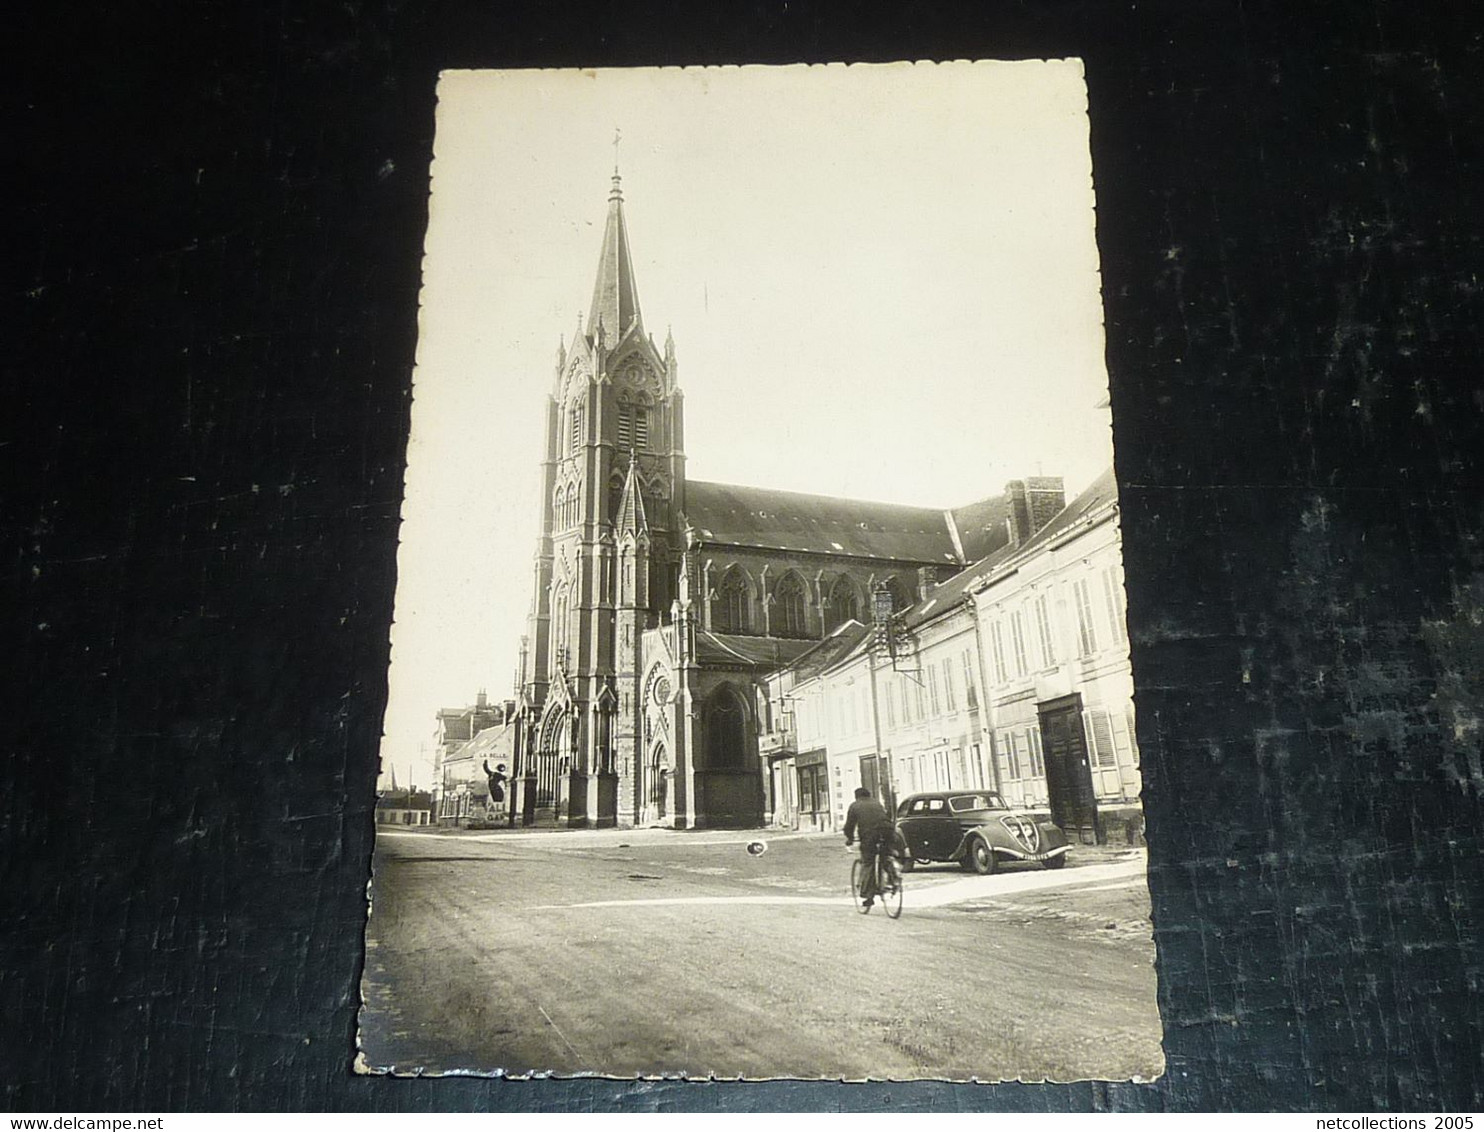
point(631, 518)
point(615, 298)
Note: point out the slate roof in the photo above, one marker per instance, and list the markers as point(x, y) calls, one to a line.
point(731, 649)
point(982, 528)
point(794, 521)
point(837, 646)
point(1102, 492)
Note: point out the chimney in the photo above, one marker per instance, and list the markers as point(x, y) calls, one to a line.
point(1019, 517)
point(1046, 497)
point(1032, 503)
point(481, 701)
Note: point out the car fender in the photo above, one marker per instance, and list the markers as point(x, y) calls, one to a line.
point(969, 835)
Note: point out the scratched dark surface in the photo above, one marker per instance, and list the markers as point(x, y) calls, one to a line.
point(209, 340)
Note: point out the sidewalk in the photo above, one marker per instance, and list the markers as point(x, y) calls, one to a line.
point(579, 837)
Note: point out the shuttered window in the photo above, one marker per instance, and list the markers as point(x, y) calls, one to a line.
point(1100, 738)
point(1085, 627)
point(997, 649)
point(1113, 601)
point(1017, 641)
point(1043, 632)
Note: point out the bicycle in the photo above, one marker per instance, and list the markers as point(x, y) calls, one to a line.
point(887, 886)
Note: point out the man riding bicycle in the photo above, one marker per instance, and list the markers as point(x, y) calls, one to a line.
point(869, 818)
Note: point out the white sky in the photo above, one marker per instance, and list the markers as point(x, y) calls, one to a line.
point(882, 282)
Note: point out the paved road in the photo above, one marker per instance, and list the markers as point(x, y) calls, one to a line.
point(654, 952)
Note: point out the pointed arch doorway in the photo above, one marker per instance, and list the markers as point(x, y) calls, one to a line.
point(551, 752)
point(656, 789)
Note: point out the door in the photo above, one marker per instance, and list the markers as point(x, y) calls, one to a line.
point(876, 777)
point(1074, 805)
point(917, 830)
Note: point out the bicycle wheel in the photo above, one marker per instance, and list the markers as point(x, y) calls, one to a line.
point(890, 883)
point(855, 887)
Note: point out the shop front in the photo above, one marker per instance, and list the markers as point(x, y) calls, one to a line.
point(813, 796)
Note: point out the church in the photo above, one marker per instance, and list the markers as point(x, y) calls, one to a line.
point(660, 603)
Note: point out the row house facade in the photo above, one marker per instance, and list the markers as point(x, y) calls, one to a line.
point(462, 737)
point(1056, 658)
point(1013, 675)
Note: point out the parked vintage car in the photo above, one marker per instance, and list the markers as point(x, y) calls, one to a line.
point(976, 829)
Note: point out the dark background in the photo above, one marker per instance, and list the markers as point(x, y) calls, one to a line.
point(209, 337)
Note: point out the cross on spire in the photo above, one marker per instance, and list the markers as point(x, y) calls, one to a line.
point(617, 137)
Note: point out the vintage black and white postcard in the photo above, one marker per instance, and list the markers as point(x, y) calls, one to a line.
point(761, 702)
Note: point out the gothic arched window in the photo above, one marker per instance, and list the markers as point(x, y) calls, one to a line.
point(633, 425)
point(845, 603)
point(559, 508)
point(788, 607)
point(575, 427)
point(726, 731)
point(729, 606)
point(559, 625)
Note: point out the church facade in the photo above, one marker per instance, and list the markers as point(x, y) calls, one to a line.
point(661, 603)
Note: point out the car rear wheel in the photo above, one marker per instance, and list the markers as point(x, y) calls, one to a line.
point(1054, 862)
point(981, 857)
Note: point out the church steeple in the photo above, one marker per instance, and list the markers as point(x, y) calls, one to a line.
point(615, 298)
point(631, 518)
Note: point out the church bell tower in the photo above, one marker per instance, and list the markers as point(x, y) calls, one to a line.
point(612, 491)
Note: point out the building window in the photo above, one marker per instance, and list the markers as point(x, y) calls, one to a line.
point(1033, 741)
point(633, 426)
point(932, 683)
point(1112, 598)
point(997, 650)
point(950, 699)
point(1100, 738)
point(971, 694)
point(1043, 632)
point(576, 428)
point(921, 701)
point(729, 606)
point(1085, 628)
point(891, 706)
point(844, 603)
point(726, 731)
point(559, 626)
point(1017, 641)
point(788, 607)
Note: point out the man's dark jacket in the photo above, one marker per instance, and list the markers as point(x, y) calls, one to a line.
point(867, 816)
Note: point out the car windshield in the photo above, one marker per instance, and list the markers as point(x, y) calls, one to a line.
point(962, 803)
